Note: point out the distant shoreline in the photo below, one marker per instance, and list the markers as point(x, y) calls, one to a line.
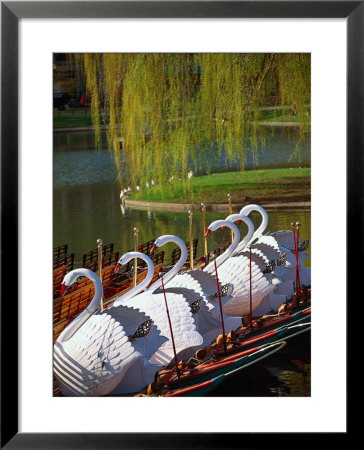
point(216, 207)
point(85, 128)
point(261, 123)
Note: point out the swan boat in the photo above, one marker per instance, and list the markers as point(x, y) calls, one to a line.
point(243, 348)
point(238, 271)
point(176, 316)
point(279, 242)
point(105, 352)
point(204, 286)
point(199, 378)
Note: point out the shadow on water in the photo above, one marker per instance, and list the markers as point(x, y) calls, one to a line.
point(287, 373)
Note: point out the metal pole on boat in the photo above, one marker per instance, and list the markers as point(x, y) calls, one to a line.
point(170, 327)
point(99, 267)
point(191, 238)
point(220, 304)
point(135, 273)
point(298, 281)
point(250, 288)
point(294, 247)
point(203, 208)
point(230, 212)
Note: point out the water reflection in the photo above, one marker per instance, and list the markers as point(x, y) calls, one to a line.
point(77, 162)
point(280, 375)
point(84, 213)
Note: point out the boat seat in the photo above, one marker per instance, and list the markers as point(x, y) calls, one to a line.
point(66, 260)
point(176, 253)
point(60, 251)
point(92, 255)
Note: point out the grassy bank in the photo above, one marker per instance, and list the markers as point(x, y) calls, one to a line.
point(71, 118)
point(265, 185)
point(81, 117)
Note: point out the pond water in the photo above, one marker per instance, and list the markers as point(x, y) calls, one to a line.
point(86, 207)
point(93, 167)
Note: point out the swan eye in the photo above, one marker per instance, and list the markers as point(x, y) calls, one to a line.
point(195, 306)
point(142, 330)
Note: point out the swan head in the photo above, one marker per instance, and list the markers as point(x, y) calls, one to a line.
point(159, 242)
point(69, 279)
point(239, 218)
point(216, 225)
point(129, 256)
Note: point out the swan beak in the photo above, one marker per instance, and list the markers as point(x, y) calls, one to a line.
point(117, 267)
point(239, 221)
point(63, 288)
point(152, 249)
point(208, 231)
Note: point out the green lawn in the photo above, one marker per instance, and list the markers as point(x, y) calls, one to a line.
point(283, 116)
point(72, 122)
point(71, 118)
point(80, 117)
point(270, 185)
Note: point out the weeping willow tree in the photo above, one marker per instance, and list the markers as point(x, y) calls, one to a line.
point(168, 113)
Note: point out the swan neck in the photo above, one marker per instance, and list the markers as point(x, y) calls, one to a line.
point(222, 258)
point(259, 232)
point(76, 324)
point(143, 284)
point(179, 264)
point(249, 236)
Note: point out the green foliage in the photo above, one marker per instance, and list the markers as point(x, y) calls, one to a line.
point(169, 109)
point(288, 184)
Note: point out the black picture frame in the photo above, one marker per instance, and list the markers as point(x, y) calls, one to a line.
point(11, 12)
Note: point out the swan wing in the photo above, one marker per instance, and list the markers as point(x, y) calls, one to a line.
point(183, 326)
point(239, 276)
point(284, 238)
point(205, 320)
point(198, 280)
point(95, 359)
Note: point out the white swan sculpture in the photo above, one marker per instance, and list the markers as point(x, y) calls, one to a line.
point(236, 271)
point(184, 330)
point(281, 242)
point(105, 352)
point(202, 283)
point(206, 323)
point(279, 294)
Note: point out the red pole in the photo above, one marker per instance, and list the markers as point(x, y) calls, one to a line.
point(295, 251)
point(297, 269)
point(250, 287)
point(170, 328)
point(222, 317)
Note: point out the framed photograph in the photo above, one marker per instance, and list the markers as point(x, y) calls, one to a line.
point(42, 43)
